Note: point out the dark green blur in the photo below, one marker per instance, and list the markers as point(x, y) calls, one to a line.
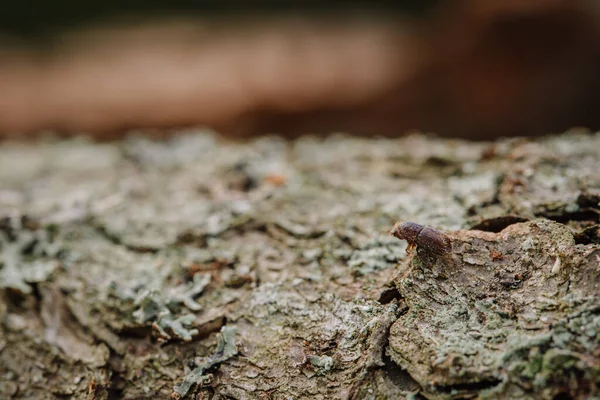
point(40, 20)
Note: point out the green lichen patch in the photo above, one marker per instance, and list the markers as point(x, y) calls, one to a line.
point(155, 305)
point(178, 326)
point(377, 255)
point(28, 256)
point(226, 348)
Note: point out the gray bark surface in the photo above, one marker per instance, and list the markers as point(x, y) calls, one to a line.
point(208, 269)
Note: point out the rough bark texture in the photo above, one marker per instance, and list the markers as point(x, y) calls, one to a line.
point(210, 269)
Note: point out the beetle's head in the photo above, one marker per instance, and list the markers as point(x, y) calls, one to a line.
point(406, 231)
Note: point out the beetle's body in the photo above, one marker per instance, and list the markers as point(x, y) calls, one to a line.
point(429, 239)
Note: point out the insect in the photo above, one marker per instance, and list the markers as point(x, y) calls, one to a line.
point(429, 239)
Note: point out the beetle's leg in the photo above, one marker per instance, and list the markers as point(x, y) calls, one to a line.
point(410, 247)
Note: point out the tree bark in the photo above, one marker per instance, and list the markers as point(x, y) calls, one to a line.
point(208, 269)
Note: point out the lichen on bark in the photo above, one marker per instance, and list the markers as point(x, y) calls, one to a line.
point(498, 318)
point(122, 262)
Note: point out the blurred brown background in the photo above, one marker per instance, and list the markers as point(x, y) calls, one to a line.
point(466, 68)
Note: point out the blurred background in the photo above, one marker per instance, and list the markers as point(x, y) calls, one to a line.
point(467, 68)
